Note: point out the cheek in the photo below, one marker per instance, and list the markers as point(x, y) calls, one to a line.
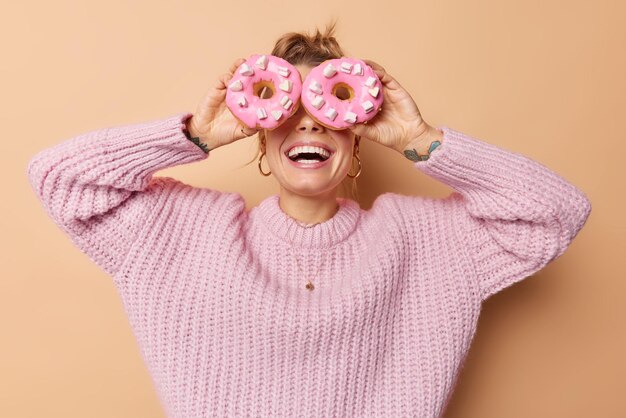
point(346, 162)
point(271, 141)
point(272, 148)
point(349, 158)
point(341, 161)
point(276, 136)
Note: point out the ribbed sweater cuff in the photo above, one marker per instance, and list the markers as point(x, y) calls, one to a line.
point(488, 176)
point(130, 155)
point(123, 157)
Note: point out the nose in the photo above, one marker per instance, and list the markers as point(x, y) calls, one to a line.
point(307, 124)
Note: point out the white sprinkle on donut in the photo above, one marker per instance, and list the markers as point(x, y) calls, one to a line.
point(318, 102)
point(236, 86)
point(350, 117)
point(370, 82)
point(358, 69)
point(277, 114)
point(346, 67)
point(242, 102)
point(284, 71)
point(262, 62)
point(374, 92)
point(246, 70)
point(261, 113)
point(286, 102)
point(368, 106)
point(329, 71)
point(315, 87)
point(285, 85)
point(331, 113)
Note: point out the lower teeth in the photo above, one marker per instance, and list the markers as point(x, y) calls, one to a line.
point(308, 161)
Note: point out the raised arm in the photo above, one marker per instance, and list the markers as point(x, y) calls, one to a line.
point(98, 186)
point(512, 214)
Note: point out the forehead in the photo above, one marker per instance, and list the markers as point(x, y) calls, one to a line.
point(303, 69)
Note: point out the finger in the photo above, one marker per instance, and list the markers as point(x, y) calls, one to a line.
point(246, 131)
point(378, 69)
point(222, 81)
point(362, 130)
point(383, 75)
point(217, 93)
point(375, 66)
point(236, 65)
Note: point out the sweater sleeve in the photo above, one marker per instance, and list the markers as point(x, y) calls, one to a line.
point(98, 186)
point(512, 215)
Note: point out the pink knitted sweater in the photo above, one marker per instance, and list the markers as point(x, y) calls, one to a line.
point(219, 308)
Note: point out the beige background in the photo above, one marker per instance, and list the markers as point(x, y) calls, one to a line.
point(545, 79)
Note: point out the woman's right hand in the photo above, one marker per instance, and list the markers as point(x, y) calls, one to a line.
point(213, 122)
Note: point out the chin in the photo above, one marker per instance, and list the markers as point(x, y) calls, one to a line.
point(310, 190)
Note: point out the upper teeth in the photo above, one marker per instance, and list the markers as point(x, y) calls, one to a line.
point(299, 150)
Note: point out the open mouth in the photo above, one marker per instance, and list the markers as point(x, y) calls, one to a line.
point(308, 154)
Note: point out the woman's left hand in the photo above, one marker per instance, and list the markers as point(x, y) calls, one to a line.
point(399, 122)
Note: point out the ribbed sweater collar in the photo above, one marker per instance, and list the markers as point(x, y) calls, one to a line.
point(320, 235)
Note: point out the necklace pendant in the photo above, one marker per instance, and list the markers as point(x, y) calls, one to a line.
point(310, 286)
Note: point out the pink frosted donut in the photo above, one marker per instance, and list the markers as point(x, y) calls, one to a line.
point(342, 92)
point(245, 87)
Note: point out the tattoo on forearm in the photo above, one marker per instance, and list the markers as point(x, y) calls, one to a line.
point(412, 154)
point(196, 140)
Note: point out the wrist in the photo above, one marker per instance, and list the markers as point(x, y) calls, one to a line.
point(192, 134)
point(190, 128)
point(423, 143)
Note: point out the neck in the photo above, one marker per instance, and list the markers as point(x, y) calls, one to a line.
point(309, 209)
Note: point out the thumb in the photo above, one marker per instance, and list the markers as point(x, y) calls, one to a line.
point(363, 130)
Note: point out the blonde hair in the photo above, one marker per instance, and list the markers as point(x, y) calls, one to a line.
point(300, 48)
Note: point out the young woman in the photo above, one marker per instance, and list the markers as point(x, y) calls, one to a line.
point(306, 305)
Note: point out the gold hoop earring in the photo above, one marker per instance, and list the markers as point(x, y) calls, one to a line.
point(260, 169)
point(358, 172)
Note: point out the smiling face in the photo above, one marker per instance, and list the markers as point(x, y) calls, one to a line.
point(308, 179)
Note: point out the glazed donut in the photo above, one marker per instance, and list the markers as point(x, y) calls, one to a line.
point(342, 92)
point(260, 74)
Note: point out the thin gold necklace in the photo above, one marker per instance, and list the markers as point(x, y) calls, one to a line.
point(309, 285)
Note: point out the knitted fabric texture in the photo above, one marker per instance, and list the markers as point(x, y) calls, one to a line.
point(220, 311)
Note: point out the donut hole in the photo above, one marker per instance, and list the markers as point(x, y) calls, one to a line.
point(264, 89)
point(343, 91)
